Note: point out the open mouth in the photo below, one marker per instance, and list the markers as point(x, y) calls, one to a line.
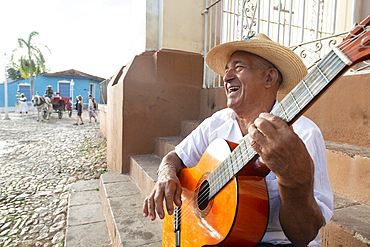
point(233, 89)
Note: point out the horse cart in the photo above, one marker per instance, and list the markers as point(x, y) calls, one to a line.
point(60, 104)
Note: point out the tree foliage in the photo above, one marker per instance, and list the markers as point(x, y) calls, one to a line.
point(14, 74)
point(28, 59)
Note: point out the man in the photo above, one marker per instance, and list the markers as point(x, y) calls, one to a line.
point(300, 198)
point(49, 92)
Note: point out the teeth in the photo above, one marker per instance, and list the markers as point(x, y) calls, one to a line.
point(233, 89)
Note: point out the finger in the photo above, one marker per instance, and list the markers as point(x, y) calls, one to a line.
point(177, 198)
point(169, 197)
point(158, 200)
point(151, 205)
point(275, 121)
point(253, 135)
point(145, 208)
point(265, 126)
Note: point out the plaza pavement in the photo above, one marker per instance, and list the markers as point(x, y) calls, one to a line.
point(42, 164)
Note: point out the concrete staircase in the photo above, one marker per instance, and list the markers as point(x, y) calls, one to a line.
point(349, 173)
point(122, 195)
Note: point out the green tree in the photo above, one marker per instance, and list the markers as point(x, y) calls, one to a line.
point(31, 62)
point(14, 74)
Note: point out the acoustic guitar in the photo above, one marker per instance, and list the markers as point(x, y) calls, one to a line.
point(225, 198)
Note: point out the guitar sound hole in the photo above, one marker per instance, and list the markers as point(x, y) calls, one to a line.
point(203, 195)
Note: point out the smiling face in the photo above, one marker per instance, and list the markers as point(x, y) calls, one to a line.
point(249, 81)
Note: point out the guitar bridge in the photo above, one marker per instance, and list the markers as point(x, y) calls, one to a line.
point(177, 224)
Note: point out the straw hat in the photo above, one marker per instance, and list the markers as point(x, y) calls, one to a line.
point(48, 86)
point(285, 60)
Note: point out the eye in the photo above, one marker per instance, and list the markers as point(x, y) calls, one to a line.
point(238, 67)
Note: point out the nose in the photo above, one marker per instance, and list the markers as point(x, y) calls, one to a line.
point(229, 75)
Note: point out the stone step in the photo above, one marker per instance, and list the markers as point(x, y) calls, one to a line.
point(349, 170)
point(350, 224)
point(86, 224)
point(163, 145)
point(188, 126)
point(122, 206)
point(143, 169)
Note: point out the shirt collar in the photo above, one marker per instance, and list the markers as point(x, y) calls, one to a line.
point(233, 115)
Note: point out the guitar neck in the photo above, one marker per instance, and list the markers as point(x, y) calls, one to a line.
point(310, 88)
point(289, 109)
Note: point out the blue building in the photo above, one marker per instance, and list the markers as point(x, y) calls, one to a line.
point(69, 84)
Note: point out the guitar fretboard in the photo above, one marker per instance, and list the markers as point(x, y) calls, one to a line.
point(288, 109)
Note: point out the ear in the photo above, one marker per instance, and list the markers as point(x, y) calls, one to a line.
point(271, 78)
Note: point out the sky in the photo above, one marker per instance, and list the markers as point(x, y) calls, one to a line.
point(91, 36)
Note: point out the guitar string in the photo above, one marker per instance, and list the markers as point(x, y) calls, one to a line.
point(205, 194)
point(203, 197)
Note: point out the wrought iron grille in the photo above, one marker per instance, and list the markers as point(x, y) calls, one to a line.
point(308, 27)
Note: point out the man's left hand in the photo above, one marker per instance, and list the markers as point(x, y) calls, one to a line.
point(285, 154)
point(282, 150)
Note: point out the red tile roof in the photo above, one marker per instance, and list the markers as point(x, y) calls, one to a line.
point(73, 73)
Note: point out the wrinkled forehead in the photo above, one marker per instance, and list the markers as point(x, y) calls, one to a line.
point(242, 57)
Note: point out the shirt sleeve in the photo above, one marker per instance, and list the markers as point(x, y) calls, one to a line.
point(198, 138)
point(312, 138)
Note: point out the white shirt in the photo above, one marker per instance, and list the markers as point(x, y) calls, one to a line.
point(223, 124)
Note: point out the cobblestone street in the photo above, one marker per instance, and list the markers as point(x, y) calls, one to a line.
point(38, 163)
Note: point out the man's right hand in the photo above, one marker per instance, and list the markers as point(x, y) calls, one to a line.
point(167, 188)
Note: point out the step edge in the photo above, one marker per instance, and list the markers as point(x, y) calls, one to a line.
point(346, 149)
point(116, 241)
point(149, 181)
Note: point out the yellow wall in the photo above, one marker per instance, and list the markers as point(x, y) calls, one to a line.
point(169, 24)
point(183, 25)
point(345, 13)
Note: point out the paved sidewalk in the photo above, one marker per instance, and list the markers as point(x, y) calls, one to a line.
point(39, 162)
point(123, 208)
point(86, 226)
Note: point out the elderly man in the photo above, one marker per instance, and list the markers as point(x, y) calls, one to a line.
point(300, 197)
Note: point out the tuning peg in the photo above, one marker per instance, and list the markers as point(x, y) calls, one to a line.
point(365, 41)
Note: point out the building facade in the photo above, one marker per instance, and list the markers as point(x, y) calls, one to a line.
point(69, 84)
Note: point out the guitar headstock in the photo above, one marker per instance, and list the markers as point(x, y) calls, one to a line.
point(356, 46)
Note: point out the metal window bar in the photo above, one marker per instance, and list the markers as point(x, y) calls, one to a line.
point(303, 18)
point(290, 21)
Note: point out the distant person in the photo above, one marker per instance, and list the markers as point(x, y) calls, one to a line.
point(92, 108)
point(80, 107)
point(23, 107)
point(77, 101)
point(49, 92)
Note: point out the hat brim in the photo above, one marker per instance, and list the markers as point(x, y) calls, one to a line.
point(285, 60)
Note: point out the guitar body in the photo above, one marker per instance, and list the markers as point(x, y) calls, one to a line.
point(236, 216)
